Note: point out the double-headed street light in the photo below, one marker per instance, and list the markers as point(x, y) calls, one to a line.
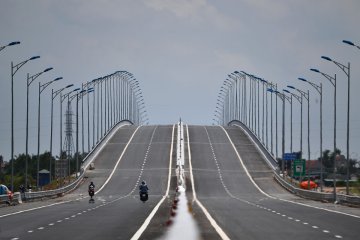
point(346, 70)
point(42, 87)
point(29, 80)
point(319, 90)
point(14, 69)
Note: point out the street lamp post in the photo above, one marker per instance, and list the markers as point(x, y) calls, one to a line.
point(319, 90)
point(291, 120)
point(14, 69)
point(346, 70)
point(42, 87)
point(332, 80)
point(29, 80)
point(53, 96)
point(306, 95)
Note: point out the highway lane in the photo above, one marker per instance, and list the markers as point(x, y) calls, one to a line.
point(117, 212)
point(239, 208)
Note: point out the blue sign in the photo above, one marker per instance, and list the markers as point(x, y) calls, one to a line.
point(291, 156)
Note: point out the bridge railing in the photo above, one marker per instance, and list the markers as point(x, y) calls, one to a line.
point(314, 195)
point(70, 187)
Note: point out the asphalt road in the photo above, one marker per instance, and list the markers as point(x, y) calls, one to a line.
point(117, 212)
point(242, 197)
point(240, 209)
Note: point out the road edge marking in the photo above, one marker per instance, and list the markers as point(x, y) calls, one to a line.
point(280, 199)
point(117, 163)
point(143, 227)
point(212, 221)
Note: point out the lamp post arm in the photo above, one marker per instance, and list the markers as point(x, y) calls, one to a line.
point(297, 97)
point(345, 69)
point(317, 87)
point(18, 66)
point(330, 78)
point(33, 77)
point(45, 85)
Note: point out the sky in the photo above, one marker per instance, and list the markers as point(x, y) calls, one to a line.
point(180, 51)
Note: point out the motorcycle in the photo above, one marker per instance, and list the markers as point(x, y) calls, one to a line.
point(144, 196)
point(91, 194)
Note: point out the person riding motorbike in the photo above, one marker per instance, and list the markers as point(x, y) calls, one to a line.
point(91, 189)
point(143, 187)
point(143, 191)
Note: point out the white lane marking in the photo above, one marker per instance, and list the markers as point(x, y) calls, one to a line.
point(244, 167)
point(213, 223)
point(268, 209)
point(41, 228)
point(53, 204)
point(117, 163)
point(284, 200)
point(148, 219)
point(31, 209)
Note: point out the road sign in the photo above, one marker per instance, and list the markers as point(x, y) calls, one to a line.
point(299, 167)
point(289, 156)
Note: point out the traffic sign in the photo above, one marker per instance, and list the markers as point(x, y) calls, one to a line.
point(291, 156)
point(299, 167)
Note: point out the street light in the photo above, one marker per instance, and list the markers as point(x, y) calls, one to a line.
point(283, 97)
point(351, 43)
point(319, 90)
point(10, 44)
point(346, 70)
point(307, 97)
point(16, 67)
point(42, 87)
point(53, 96)
point(29, 80)
point(62, 99)
point(332, 80)
point(291, 114)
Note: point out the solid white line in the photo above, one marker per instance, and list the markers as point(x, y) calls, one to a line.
point(259, 149)
point(31, 209)
point(284, 200)
point(118, 161)
point(156, 208)
point(54, 204)
point(213, 223)
point(243, 165)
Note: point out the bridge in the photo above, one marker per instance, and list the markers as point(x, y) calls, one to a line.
point(230, 187)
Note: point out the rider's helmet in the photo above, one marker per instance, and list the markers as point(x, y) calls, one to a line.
point(143, 182)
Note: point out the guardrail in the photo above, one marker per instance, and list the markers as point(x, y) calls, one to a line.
point(314, 195)
point(85, 164)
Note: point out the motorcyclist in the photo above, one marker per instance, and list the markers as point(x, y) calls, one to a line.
point(91, 188)
point(143, 187)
